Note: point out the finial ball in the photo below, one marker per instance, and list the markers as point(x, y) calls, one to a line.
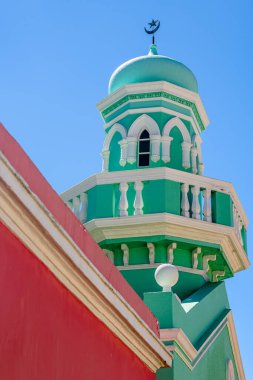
point(166, 275)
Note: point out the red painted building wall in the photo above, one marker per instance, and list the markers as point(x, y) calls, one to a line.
point(46, 333)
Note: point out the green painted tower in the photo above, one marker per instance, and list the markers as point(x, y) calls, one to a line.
point(152, 205)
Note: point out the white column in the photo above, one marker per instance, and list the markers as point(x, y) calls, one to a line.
point(123, 202)
point(131, 151)
point(166, 140)
point(151, 255)
point(125, 250)
point(155, 147)
point(186, 154)
point(138, 201)
point(195, 202)
point(76, 206)
point(185, 206)
point(194, 160)
point(201, 168)
point(105, 155)
point(83, 207)
point(207, 210)
point(123, 151)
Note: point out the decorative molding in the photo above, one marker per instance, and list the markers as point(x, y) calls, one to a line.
point(217, 273)
point(154, 90)
point(155, 174)
point(198, 272)
point(133, 111)
point(24, 214)
point(235, 346)
point(206, 260)
point(170, 252)
point(174, 226)
point(195, 254)
point(151, 254)
point(125, 250)
point(191, 356)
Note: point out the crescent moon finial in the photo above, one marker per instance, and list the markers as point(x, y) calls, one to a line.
point(154, 25)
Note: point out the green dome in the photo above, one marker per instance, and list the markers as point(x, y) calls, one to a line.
point(151, 68)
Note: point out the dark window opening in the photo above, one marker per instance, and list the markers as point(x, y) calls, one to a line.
point(144, 149)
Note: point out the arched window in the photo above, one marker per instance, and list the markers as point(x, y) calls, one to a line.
point(144, 149)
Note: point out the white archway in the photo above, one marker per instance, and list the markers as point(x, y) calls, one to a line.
point(176, 122)
point(106, 147)
point(186, 144)
point(143, 122)
point(116, 128)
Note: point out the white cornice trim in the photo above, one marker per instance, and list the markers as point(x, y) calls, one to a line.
point(172, 225)
point(235, 347)
point(191, 119)
point(155, 87)
point(24, 214)
point(155, 174)
point(198, 272)
point(191, 356)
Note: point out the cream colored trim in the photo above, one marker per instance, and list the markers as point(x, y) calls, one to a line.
point(235, 347)
point(24, 214)
point(155, 174)
point(175, 226)
point(154, 87)
point(153, 266)
point(193, 355)
point(177, 335)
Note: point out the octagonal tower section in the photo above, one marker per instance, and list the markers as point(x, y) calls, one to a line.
point(151, 204)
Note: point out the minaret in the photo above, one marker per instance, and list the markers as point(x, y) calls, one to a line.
point(151, 205)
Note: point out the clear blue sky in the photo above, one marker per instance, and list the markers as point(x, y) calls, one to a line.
point(56, 60)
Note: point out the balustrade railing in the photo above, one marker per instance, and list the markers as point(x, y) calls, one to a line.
point(196, 199)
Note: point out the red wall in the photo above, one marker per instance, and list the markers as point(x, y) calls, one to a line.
point(46, 333)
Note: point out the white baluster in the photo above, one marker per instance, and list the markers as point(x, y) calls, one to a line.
point(138, 201)
point(83, 207)
point(166, 140)
point(186, 146)
point(123, 151)
point(123, 203)
point(195, 202)
point(125, 250)
point(151, 249)
point(132, 147)
point(185, 206)
point(207, 210)
point(194, 152)
point(76, 206)
point(155, 147)
point(105, 155)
